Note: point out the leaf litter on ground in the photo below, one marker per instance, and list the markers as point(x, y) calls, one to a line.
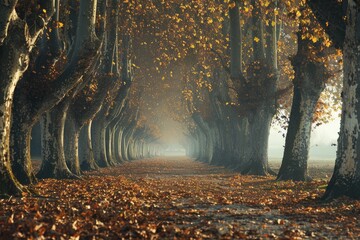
point(177, 198)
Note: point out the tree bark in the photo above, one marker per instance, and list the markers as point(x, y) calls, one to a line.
point(53, 159)
point(98, 135)
point(20, 146)
point(346, 177)
point(235, 42)
point(256, 96)
point(87, 157)
point(309, 82)
point(254, 151)
point(23, 110)
point(296, 153)
point(126, 141)
point(6, 12)
point(207, 140)
point(109, 144)
point(117, 145)
point(16, 42)
point(71, 145)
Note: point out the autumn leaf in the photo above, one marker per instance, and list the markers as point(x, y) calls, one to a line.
point(232, 4)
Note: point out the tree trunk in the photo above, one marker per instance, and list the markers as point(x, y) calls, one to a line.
point(16, 42)
point(309, 82)
point(87, 154)
point(52, 135)
point(196, 147)
point(218, 146)
point(108, 145)
point(130, 141)
point(207, 139)
point(71, 145)
point(124, 145)
point(21, 158)
point(112, 147)
point(8, 182)
point(14, 61)
point(258, 32)
point(231, 144)
point(23, 121)
point(98, 134)
point(346, 177)
point(132, 150)
point(296, 153)
point(254, 151)
point(126, 141)
point(235, 42)
point(117, 145)
point(107, 75)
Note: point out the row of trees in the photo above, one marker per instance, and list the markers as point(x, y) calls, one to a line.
point(246, 95)
point(233, 128)
point(67, 65)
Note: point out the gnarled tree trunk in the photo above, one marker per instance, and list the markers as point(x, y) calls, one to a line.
point(16, 42)
point(98, 135)
point(87, 155)
point(309, 82)
point(20, 146)
point(254, 149)
point(52, 134)
point(71, 145)
point(346, 177)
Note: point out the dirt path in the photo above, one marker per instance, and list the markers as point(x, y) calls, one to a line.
point(177, 198)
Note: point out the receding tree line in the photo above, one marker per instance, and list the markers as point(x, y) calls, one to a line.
point(236, 135)
point(68, 65)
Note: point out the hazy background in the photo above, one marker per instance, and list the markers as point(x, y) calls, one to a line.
point(321, 139)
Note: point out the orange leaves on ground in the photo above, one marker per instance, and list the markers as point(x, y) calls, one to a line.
point(176, 198)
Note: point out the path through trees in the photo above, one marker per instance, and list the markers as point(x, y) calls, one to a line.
point(176, 197)
point(111, 81)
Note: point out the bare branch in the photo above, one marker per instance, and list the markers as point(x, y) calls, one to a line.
point(7, 8)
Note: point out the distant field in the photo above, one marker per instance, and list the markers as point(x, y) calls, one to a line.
point(317, 168)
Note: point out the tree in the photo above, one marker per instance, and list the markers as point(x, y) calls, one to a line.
point(85, 105)
point(311, 75)
point(83, 59)
point(346, 176)
point(110, 110)
point(17, 39)
point(256, 92)
point(28, 94)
